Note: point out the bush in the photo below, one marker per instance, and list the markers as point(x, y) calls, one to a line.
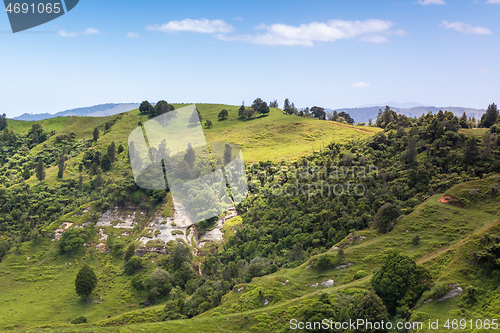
point(416, 240)
point(79, 320)
point(325, 262)
point(133, 265)
point(360, 274)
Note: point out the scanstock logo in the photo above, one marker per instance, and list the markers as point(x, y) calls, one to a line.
point(170, 150)
point(27, 14)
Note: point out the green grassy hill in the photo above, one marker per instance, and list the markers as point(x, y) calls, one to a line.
point(274, 137)
point(37, 281)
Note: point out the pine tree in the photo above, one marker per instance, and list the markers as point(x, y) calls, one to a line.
point(96, 134)
point(85, 281)
point(411, 152)
point(61, 165)
point(105, 163)
point(80, 183)
point(40, 171)
point(190, 156)
point(112, 152)
point(26, 174)
point(241, 111)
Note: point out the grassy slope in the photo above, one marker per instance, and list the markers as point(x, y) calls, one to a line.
point(447, 235)
point(273, 137)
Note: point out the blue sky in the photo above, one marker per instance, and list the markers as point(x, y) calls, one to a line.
point(337, 53)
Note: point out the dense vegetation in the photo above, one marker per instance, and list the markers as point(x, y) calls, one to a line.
point(295, 213)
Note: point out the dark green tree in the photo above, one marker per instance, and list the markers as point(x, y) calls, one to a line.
point(112, 152)
point(464, 123)
point(80, 183)
point(96, 134)
point(105, 163)
point(318, 112)
point(190, 156)
point(208, 124)
point(130, 252)
point(223, 114)
point(385, 217)
point(400, 281)
point(3, 122)
point(26, 174)
point(85, 281)
point(40, 170)
point(260, 106)
point(145, 107)
point(471, 151)
point(241, 111)
point(411, 152)
point(490, 117)
point(61, 166)
point(133, 265)
point(273, 104)
point(370, 307)
point(161, 107)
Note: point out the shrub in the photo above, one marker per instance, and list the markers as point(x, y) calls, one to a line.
point(133, 265)
point(79, 320)
point(416, 240)
point(360, 274)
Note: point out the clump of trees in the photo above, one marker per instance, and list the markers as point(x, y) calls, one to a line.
point(152, 111)
point(3, 122)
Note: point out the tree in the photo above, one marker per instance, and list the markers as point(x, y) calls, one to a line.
point(227, 154)
point(40, 171)
point(61, 166)
point(3, 122)
point(260, 106)
point(463, 121)
point(384, 219)
point(318, 112)
point(96, 134)
point(145, 107)
point(471, 151)
point(288, 107)
point(80, 183)
point(190, 156)
point(130, 252)
point(347, 117)
point(248, 113)
point(85, 282)
point(208, 123)
point(105, 163)
point(273, 104)
point(133, 265)
point(241, 111)
point(161, 107)
point(370, 307)
point(490, 117)
point(400, 281)
point(112, 152)
point(107, 126)
point(411, 152)
point(223, 114)
point(26, 174)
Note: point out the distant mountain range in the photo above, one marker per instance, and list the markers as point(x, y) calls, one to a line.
point(100, 110)
point(360, 114)
point(363, 114)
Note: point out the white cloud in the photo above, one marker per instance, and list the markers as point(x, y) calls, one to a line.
point(493, 1)
point(86, 32)
point(466, 28)
point(203, 26)
point(361, 84)
point(373, 31)
point(431, 2)
point(133, 35)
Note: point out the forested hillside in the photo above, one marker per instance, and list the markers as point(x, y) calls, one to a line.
point(339, 219)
